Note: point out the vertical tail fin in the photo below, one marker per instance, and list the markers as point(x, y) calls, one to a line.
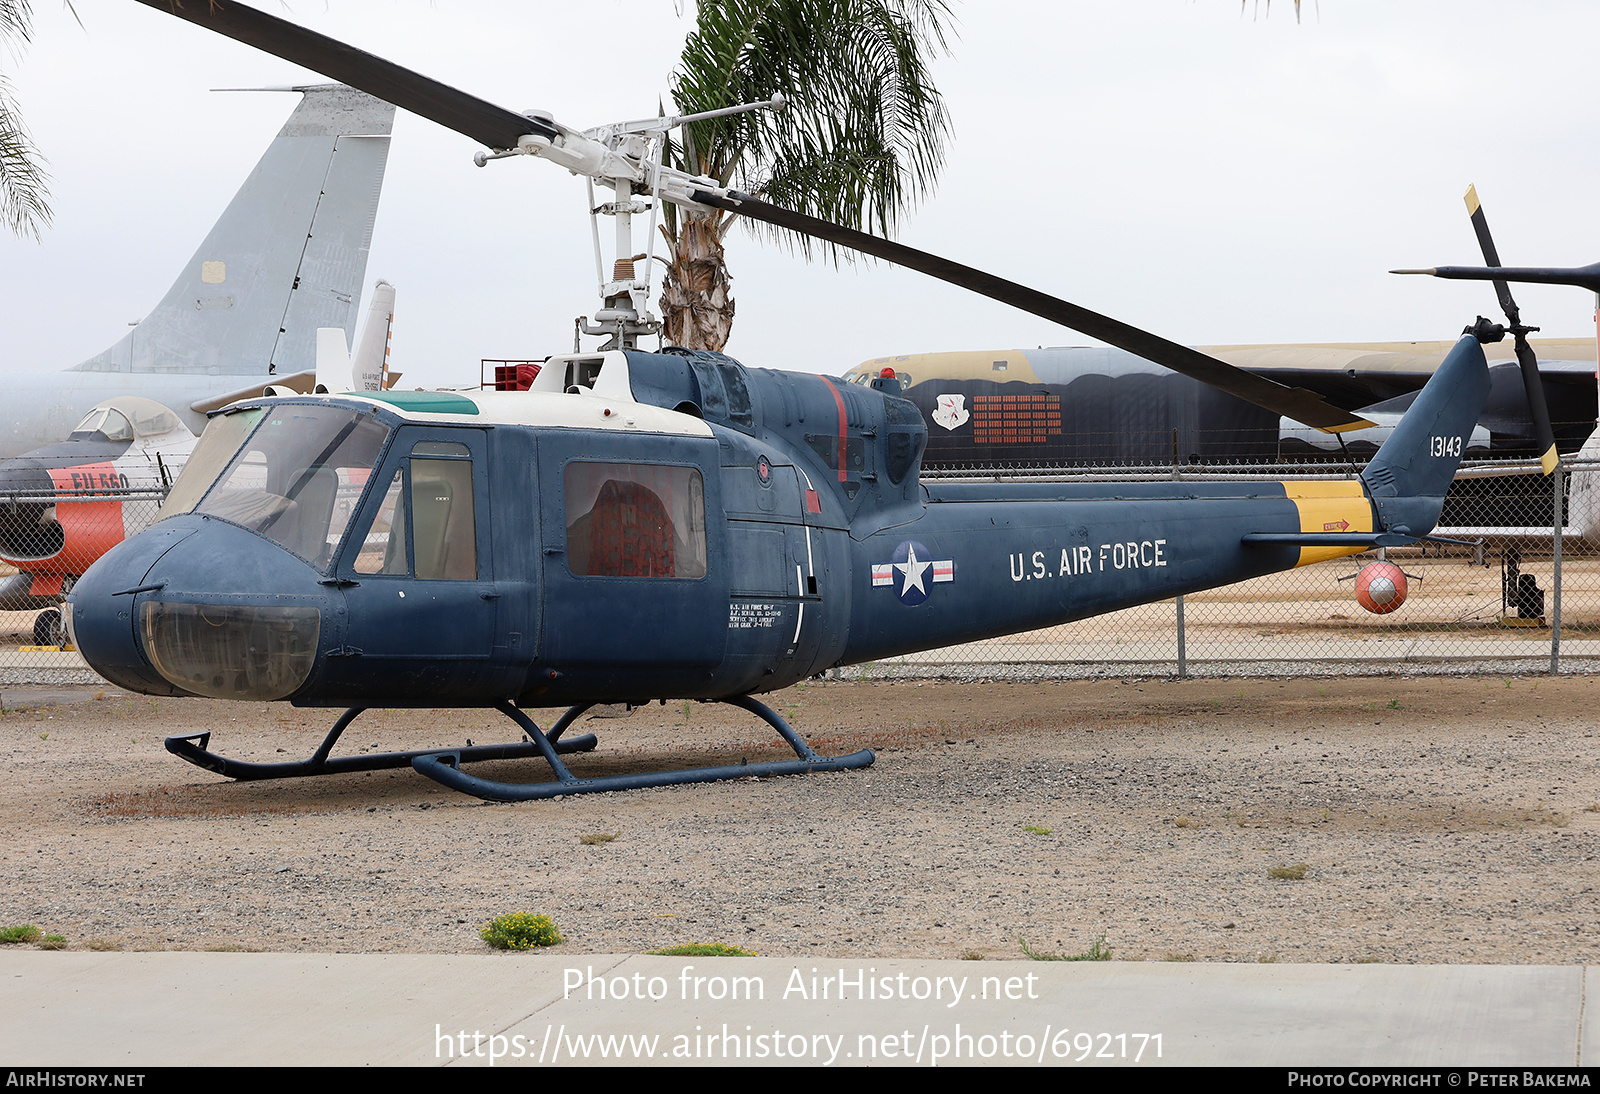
point(1412, 472)
point(371, 363)
point(288, 255)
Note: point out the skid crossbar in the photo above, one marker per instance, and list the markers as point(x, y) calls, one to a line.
point(445, 767)
point(193, 748)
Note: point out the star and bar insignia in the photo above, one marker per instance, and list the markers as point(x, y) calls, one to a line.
point(912, 570)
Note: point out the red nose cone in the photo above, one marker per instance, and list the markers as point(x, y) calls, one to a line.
point(1380, 587)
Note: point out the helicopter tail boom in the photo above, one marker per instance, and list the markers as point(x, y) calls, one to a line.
point(988, 560)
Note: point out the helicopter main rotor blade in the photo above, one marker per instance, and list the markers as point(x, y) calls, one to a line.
point(1291, 402)
point(500, 129)
point(494, 126)
point(1527, 360)
point(1584, 277)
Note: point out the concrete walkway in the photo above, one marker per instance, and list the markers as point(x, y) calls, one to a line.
point(131, 1010)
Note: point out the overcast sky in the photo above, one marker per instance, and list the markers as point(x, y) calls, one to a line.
point(1211, 176)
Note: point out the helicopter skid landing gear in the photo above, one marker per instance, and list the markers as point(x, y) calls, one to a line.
point(193, 748)
point(445, 767)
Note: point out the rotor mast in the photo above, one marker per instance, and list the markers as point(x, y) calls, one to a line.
point(629, 158)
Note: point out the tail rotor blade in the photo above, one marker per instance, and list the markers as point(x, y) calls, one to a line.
point(1549, 458)
point(1491, 256)
point(1526, 360)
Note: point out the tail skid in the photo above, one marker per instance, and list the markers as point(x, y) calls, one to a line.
point(288, 255)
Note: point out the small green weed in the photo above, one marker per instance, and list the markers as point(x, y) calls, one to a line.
point(1036, 830)
point(520, 931)
point(53, 942)
point(25, 933)
point(1297, 872)
point(702, 949)
point(1394, 704)
point(1097, 952)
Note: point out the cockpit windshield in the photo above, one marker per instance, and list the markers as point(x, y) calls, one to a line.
point(108, 423)
point(295, 479)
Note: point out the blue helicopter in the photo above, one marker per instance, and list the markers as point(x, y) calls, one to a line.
point(671, 525)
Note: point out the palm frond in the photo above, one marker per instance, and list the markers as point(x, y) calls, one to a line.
point(863, 137)
point(23, 182)
point(16, 21)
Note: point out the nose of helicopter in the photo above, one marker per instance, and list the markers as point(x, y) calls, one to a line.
point(196, 606)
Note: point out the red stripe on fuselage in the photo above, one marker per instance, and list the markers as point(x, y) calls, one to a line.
point(838, 401)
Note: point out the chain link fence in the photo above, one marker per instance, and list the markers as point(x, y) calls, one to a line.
point(48, 538)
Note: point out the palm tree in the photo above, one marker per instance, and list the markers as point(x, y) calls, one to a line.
point(860, 141)
point(22, 181)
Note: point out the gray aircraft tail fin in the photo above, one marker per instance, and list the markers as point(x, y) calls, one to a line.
point(289, 254)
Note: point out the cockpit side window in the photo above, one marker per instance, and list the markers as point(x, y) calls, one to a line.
point(384, 549)
point(426, 522)
point(443, 522)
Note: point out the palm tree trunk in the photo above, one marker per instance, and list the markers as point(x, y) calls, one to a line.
point(696, 301)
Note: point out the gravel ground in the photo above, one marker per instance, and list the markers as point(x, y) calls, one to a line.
point(1437, 820)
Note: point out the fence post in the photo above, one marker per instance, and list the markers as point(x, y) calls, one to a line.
point(1183, 646)
point(1183, 651)
point(1557, 507)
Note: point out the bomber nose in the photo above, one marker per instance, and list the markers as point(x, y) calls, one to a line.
point(201, 607)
